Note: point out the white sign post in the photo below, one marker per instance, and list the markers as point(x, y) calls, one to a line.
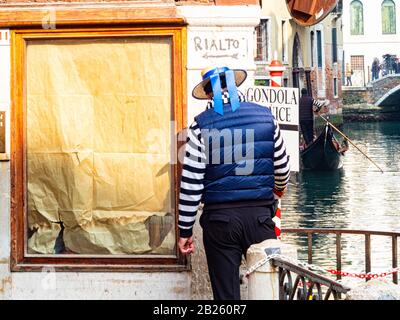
point(284, 104)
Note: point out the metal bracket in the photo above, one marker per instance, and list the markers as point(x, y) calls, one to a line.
point(270, 251)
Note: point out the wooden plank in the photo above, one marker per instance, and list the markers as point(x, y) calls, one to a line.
point(2, 131)
point(17, 171)
point(394, 259)
point(309, 244)
point(338, 254)
point(347, 231)
point(367, 254)
point(49, 16)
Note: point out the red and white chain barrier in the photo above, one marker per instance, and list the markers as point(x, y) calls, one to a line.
point(365, 275)
point(313, 267)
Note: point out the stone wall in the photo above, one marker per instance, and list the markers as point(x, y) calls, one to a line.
point(384, 85)
point(357, 96)
point(371, 93)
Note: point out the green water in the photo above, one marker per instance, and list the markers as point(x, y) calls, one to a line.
point(357, 197)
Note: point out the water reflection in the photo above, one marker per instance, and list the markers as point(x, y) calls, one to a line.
point(317, 200)
point(357, 197)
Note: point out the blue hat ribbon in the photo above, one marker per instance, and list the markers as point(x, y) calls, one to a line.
point(231, 85)
point(216, 87)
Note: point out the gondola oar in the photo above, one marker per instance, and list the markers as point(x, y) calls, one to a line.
point(352, 143)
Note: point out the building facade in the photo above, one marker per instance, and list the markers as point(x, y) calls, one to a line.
point(312, 55)
point(364, 41)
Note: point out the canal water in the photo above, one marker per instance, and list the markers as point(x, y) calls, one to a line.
point(358, 196)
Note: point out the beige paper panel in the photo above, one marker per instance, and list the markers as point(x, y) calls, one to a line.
point(60, 123)
point(98, 121)
point(132, 182)
point(109, 237)
point(128, 123)
point(60, 181)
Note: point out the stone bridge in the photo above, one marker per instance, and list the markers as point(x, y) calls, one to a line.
point(384, 92)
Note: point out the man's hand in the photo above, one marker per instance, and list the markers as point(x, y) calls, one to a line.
point(279, 193)
point(186, 245)
point(325, 108)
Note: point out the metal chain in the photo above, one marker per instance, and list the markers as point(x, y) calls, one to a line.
point(313, 267)
point(260, 263)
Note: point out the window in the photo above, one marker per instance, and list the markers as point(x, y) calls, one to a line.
point(388, 17)
point(335, 87)
point(284, 42)
point(319, 48)
point(88, 158)
point(338, 8)
point(286, 82)
point(334, 45)
point(356, 18)
point(297, 59)
point(357, 66)
point(357, 62)
point(263, 51)
point(312, 40)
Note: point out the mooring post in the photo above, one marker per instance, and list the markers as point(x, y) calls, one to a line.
point(263, 283)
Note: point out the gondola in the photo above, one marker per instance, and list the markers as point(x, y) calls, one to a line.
point(323, 154)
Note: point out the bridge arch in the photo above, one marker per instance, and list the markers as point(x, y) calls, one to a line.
point(390, 98)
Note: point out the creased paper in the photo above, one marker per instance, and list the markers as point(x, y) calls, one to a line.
point(98, 146)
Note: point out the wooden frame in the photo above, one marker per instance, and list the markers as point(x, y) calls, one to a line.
point(20, 261)
point(38, 14)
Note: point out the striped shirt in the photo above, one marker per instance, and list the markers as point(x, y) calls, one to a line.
point(194, 168)
point(317, 105)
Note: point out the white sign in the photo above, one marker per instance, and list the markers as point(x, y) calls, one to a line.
point(284, 104)
point(218, 47)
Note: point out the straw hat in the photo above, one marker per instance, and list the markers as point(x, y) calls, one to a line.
point(198, 91)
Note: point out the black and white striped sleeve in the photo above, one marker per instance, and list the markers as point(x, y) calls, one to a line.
point(317, 105)
point(191, 189)
point(281, 161)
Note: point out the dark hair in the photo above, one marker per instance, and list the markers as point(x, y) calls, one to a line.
point(304, 91)
point(208, 87)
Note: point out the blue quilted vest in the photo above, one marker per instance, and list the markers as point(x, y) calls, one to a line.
point(231, 181)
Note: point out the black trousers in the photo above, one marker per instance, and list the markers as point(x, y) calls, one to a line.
point(227, 234)
point(307, 129)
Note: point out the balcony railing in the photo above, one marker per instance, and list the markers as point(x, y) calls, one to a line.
point(307, 285)
point(301, 283)
point(367, 245)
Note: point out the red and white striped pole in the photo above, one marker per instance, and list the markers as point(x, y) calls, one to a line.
point(276, 70)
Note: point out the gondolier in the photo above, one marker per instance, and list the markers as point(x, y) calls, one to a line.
point(307, 108)
point(235, 158)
